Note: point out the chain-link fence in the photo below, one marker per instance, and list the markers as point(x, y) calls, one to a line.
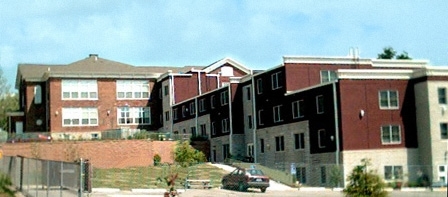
point(35, 177)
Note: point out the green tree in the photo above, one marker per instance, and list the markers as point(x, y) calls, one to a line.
point(186, 155)
point(8, 102)
point(390, 53)
point(364, 183)
point(6, 186)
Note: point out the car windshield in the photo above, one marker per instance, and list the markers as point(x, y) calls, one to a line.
point(255, 172)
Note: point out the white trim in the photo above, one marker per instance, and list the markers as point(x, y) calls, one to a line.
point(325, 60)
point(374, 74)
point(228, 60)
point(388, 63)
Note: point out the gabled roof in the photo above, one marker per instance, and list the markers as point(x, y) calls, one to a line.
point(224, 61)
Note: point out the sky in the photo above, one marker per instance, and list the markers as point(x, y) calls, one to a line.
point(255, 33)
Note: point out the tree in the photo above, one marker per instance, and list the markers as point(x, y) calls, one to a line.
point(8, 102)
point(364, 182)
point(390, 53)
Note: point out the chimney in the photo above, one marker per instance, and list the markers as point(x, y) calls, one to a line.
point(94, 55)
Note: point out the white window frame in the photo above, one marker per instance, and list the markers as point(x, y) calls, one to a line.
point(250, 124)
point(299, 141)
point(396, 172)
point(297, 107)
point(389, 131)
point(277, 113)
point(203, 129)
point(133, 90)
point(320, 103)
point(275, 79)
point(175, 114)
point(389, 99)
point(73, 117)
point(224, 98)
point(442, 173)
point(213, 127)
point(212, 101)
point(322, 137)
point(248, 93)
point(225, 125)
point(37, 94)
point(133, 115)
point(72, 89)
point(202, 105)
point(259, 86)
point(328, 76)
point(192, 108)
point(167, 115)
point(260, 117)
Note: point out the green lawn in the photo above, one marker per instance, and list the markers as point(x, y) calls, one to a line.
point(149, 177)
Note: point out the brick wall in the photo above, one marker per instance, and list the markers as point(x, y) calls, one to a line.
point(102, 154)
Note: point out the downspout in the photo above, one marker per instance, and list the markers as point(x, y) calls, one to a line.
point(230, 120)
point(218, 79)
point(254, 117)
point(171, 95)
point(336, 122)
point(199, 83)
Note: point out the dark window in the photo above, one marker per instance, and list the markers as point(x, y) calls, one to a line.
point(279, 143)
point(261, 145)
point(444, 131)
point(299, 140)
point(320, 104)
point(442, 95)
point(249, 122)
point(322, 138)
point(323, 174)
point(165, 89)
point(277, 80)
point(248, 93)
point(259, 86)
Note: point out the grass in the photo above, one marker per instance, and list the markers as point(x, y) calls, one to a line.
point(149, 177)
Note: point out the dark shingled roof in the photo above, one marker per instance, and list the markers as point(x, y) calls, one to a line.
point(92, 65)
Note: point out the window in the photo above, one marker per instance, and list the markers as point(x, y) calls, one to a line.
point(443, 131)
point(390, 134)
point(201, 105)
point(277, 113)
point(443, 174)
point(213, 128)
point(225, 151)
point(442, 95)
point(225, 125)
point(261, 145)
point(279, 143)
point(393, 172)
point(37, 94)
point(301, 174)
point(299, 140)
point(160, 93)
point(249, 122)
point(133, 115)
point(320, 104)
point(224, 98)
point(260, 117)
point(203, 130)
point(80, 116)
point(132, 89)
point(250, 150)
point(193, 131)
point(175, 114)
point(167, 116)
point(192, 108)
point(322, 137)
point(248, 96)
point(388, 99)
point(259, 86)
point(165, 90)
point(213, 101)
point(79, 90)
point(298, 110)
point(327, 76)
point(323, 174)
point(184, 111)
point(276, 80)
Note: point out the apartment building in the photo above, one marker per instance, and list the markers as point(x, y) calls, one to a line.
point(309, 113)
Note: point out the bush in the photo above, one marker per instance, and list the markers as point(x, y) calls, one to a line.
point(186, 155)
point(157, 159)
point(364, 183)
point(5, 186)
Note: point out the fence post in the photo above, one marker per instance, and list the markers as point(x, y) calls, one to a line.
point(21, 172)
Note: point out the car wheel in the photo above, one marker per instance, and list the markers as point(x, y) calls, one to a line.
point(224, 185)
point(241, 187)
point(263, 189)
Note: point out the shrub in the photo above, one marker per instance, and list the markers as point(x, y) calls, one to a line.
point(364, 182)
point(5, 186)
point(186, 155)
point(157, 159)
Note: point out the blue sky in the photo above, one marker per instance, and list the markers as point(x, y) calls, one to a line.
point(178, 33)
